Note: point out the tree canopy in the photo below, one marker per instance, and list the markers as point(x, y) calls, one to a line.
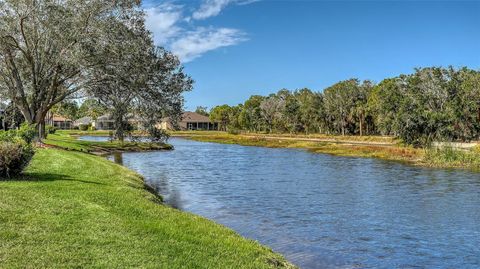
point(431, 104)
point(53, 50)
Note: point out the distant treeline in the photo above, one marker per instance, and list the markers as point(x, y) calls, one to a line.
point(432, 104)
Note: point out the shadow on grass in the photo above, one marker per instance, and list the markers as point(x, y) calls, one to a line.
point(34, 176)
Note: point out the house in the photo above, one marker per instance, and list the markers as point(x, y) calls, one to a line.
point(106, 122)
point(87, 121)
point(190, 121)
point(58, 121)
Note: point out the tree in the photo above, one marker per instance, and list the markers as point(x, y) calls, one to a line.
point(234, 117)
point(272, 109)
point(251, 118)
point(311, 110)
point(384, 104)
point(66, 108)
point(91, 108)
point(48, 49)
point(339, 100)
point(222, 115)
point(162, 95)
point(202, 110)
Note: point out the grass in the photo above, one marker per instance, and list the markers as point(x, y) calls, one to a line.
point(452, 158)
point(333, 138)
point(76, 210)
point(68, 140)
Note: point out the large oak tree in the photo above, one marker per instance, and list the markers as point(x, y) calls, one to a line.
point(49, 49)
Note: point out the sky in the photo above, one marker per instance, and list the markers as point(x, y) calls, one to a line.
point(237, 48)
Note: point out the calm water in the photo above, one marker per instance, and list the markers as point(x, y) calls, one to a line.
point(322, 211)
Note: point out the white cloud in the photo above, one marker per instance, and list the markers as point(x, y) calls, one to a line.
point(163, 21)
point(177, 32)
point(202, 40)
point(210, 8)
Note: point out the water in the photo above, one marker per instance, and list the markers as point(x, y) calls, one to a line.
point(323, 211)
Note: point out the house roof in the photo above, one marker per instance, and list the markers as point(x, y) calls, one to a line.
point(188, 116)
point(60, 118)
point(194, 117)
point(105, 117)
point(83, 121)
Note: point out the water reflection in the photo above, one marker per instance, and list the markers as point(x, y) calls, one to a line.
point(117, 157)
point(323, 211)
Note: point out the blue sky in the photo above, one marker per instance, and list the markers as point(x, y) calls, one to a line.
point(237, 48)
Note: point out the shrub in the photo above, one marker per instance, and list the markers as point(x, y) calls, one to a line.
point(449, 156)
point(234, 131)
point(158, 135)
point(8, 136)
point(26, 132)
point(84, 127)
point(14, 157)
point(92, 128)
point(49, 129)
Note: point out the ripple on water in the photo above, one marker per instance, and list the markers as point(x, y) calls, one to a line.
point(322, 211)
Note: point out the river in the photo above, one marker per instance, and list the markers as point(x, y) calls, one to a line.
point(324, 211)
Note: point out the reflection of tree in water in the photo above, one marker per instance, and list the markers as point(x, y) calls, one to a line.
point(118, 158)
point(171, 196)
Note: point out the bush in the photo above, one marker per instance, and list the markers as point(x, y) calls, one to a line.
point(234, 131)
point(49, 129)
point(26, 132)
point(92, 128)
point(450, 157)
point(84, 127)
point(14, 157)
point(158, 135)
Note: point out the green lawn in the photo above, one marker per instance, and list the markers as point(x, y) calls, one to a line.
point(67, 140)
point(76, 210)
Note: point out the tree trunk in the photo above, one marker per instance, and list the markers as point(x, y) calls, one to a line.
point(40, 122)
point(361, 126)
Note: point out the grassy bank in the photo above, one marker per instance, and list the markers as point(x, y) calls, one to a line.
point(376, 147)
point(386, 148)
point(68, 140)
point(75, 210)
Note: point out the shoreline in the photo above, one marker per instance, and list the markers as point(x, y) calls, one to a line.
point(384, 148)
point(114, 201)
point(69, 141)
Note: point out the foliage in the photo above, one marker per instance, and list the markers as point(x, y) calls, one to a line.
point(432, 104)
point(48, 49)
point(49, 129)
point(157, 135)
point(84, 127)
point(13, 116)
point(221, 114)
point(92, 108)
point(26, 133)
point(16, 150)
point(67, 109)
point(202, 110)
point(450, 157)
point(14, 157)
